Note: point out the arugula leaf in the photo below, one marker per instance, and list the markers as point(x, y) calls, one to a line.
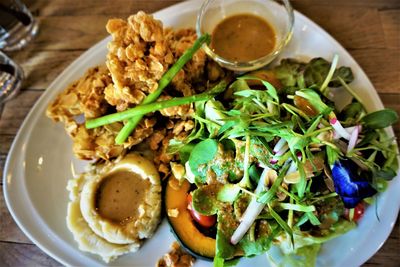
point(270, 88)
point(305, 256)
point(231, 263)
point(218, 261)
point(386, 173)
point(202, 153)
point(314, 124)
point(302, 239)
point(226, 126)
point(281, 223)
point(332, 155)
point(288, 71)
point(296, 75)
point(258, 246)
point(204, 200)
point(228, 193)
point(302, 220)
point(369, 136)
point(254, 173)
point(380, 119)
point(184, 152)
point(315, 100)
point(239, 85)
point(213, 110)
point(301, 185)
point(297, 142)
point(351, 113)
point(313, 219)
point(317, 69)
point(224, 249)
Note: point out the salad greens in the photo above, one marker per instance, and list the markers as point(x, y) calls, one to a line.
point(280, 165)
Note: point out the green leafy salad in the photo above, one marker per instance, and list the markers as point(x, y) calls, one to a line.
point(280, 165)
point(272, 161)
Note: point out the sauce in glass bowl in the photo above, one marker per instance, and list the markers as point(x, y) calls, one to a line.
point(245, 34)
point(243, 37)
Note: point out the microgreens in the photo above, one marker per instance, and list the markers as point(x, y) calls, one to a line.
point(290, 151)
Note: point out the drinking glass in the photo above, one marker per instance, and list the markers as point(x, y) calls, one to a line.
point(11, 76)
point(17, 25)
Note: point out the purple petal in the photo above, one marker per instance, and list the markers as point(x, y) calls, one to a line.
point(351, 202)
point(350, 187)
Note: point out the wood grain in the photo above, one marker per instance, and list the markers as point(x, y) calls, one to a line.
point(9, 230)
point(2, 163)
point(42, 67)
point(15, 254)
point(120, 8)
point(15, 111)
point(378, 4)
point(382, 67)
point(368, 29)
point(391, 28)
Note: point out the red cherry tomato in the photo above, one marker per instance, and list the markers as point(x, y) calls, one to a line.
point(358, 212)
point(203, 220)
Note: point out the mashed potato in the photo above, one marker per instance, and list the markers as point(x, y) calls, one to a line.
point(115, 206)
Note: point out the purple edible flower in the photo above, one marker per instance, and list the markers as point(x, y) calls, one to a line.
point(351, 188)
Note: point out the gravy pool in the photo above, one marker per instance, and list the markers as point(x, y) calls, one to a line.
point(119, 196)
point(243, 37)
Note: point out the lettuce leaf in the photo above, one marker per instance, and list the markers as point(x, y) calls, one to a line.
point(304, 257)
point(306, 246)
point(258, 246)
point(302, 239)
point(293, 73)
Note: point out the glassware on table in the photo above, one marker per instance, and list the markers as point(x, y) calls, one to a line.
point(11, 77)
point(277, 12)
point(17, 25)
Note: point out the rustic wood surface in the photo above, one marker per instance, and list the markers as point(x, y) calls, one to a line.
point(368, 29)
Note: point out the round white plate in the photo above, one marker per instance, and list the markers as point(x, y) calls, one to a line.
point(39, 165)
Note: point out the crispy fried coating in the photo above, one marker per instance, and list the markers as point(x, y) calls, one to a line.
point(85, 97)
point(176, 257)
point(137, 58)
point(159, 141)
point(140, 52)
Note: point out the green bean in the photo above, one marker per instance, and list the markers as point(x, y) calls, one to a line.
point(141, 110)
point(164, 81)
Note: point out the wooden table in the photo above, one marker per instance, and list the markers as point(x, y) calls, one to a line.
point(368, 29)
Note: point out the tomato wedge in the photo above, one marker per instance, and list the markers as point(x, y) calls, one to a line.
point(203, 220)
point(357, 214)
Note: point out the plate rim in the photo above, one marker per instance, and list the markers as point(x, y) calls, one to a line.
point(22, 134)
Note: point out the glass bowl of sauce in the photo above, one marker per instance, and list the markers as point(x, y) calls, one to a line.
point(245, 34)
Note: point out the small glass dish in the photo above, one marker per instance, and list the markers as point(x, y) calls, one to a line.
point(278, 13)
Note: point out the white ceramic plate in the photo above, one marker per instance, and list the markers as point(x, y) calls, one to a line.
point(39, 165)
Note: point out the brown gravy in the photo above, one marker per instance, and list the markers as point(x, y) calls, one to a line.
point(243, 37)
point(119, 196)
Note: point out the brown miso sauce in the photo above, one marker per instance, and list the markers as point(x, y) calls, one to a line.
point(119, 196)
point(243, 37)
